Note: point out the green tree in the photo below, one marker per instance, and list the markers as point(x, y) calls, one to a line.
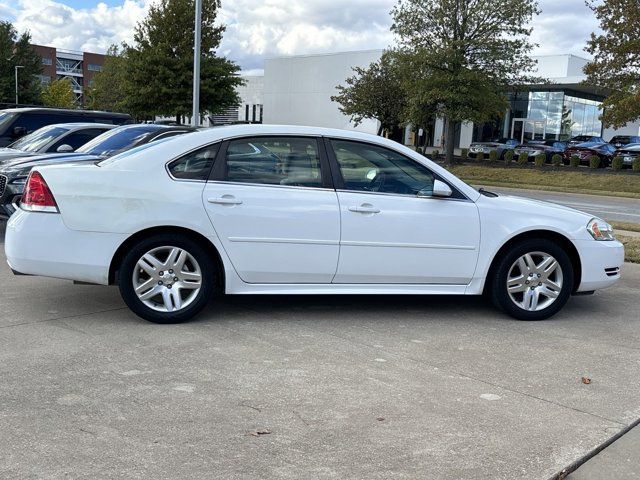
point(374, 93)
point(15, 50)
point(464, 56)
point(616, 59)
point(106, 91)
point(59, 93)
point(160, 62)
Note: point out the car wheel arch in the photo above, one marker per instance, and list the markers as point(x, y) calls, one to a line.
point(120, 253)
point(556, 237)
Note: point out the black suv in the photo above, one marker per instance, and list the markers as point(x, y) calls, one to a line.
point(17, 122)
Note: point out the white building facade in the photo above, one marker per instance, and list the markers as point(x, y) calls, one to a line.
point(297, 90)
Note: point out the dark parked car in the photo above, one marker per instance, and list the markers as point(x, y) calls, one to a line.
point(548, 147)
point(584, 139)
point(620, 141)
point(17, 122)
point(501, 146)
point(628, 153)
point(584, 151)
point(14, 173)
point(58, 138)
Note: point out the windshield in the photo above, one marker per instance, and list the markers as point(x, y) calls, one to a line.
point(38, 139)
point(115, 141)
point(130, 152)
point(5, 118)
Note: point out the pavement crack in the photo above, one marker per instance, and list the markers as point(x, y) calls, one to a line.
point(444, 368)
point(66, 317)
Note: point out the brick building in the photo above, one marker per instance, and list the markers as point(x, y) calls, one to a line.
point(78, 67)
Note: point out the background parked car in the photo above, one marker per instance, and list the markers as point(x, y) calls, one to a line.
point(628, 153)
point(500, 145)
point(584, 151)
point(578, 139)
point(17, 122)
point(58, 138)
point(548, 147)
point(620, 141)
point(14, 173)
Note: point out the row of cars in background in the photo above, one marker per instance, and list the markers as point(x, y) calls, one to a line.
point(91, 140)
point(582, 146)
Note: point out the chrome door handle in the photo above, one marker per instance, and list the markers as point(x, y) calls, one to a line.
point(364, 208)
point(225, 200)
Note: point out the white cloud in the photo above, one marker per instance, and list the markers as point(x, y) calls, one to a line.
point(266, 28)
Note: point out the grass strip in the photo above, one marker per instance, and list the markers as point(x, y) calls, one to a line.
point(609, 184)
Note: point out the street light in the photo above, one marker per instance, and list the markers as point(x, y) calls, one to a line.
point(195, 118)
point(16, 70)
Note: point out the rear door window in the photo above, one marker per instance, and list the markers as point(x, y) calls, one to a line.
point(290, 161)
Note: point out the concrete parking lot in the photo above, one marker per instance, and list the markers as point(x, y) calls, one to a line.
point(348, 387)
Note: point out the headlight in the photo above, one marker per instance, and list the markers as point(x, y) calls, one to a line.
point(600, 230)
point(19, 181)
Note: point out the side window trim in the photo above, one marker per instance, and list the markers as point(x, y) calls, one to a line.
point(219, 170)
point(338, 179)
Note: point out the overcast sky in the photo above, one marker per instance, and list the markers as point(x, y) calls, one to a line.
point(266, 28)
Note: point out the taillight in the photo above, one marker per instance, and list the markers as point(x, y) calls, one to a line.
point(37, 196)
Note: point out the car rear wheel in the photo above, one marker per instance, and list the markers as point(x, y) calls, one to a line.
point(533, 281)
point(166, 278)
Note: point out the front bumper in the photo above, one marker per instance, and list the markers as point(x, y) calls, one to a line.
point(41, 244)
point(9, 199)
point(601, 263)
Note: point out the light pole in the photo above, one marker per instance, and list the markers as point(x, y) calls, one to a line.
point(16, 70)
point(195, 118)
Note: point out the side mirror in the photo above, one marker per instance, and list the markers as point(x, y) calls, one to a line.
point(441, 189)
point(19, 132)
point(64, 148)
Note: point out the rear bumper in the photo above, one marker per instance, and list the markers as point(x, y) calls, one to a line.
point(41, 244)
point(601, 263)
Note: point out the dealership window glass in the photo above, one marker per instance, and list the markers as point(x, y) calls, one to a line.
point(371, 168)
point(195, 165)
point(291, 161)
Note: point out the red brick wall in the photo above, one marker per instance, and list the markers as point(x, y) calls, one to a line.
point(90, 58)
point(47, 52)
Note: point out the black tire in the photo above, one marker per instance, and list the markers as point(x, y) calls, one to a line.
point(129, 264)
point(498, 281)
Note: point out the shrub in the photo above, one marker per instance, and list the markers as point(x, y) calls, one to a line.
point(493, 155)
point(523, 158)
point(540, 160)
point(480, 156)
point(556, 160)
point(435, 154)
point(636, 165)
point(617, 163)
point(574, 161)
point(464, 153)
point(594, 161)
point(508, 157)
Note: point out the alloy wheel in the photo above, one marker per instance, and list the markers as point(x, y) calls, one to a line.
point(167, 279)
point(534, 281)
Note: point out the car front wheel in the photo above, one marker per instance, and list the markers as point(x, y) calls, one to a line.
point(166, 279)
point(533, 281)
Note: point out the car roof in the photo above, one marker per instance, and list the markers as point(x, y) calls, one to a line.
point(64, 110)
point(77, 125)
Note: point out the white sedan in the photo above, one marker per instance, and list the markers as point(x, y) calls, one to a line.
point(299, 210)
